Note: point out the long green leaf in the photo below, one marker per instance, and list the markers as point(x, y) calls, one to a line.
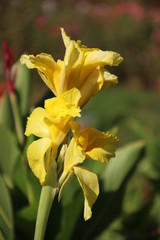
point(6, 118)
point(121, 165)
point(23, 86)
point(6, 214)
point(9, 152)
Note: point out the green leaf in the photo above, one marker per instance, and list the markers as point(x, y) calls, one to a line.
point(23, 86)
point(119, 167)
point(26, 216)
point(6, 117)
point(31, 191)
point(114, 231)
point(21, 172)
point(9, 152)
point(72, 205)
point(20, 177)
point(6, 214)
point(74, 209)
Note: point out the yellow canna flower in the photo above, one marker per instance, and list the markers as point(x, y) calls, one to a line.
point(51, 125)
point(83, 68)
point(87, 143)
point(97, 145)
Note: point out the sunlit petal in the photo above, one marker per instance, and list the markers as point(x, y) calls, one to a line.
point(89, 183)
point(36, 157)
point(36, 123)
point(109, 79)
point(92, 85)
point(66, 39)
point(48, 69)
point(97, 145)
point(99, 57)
point(64, 105)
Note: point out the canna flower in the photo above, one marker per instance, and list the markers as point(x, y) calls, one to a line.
point(87, 143)
point(83, 68)
point(51, 125)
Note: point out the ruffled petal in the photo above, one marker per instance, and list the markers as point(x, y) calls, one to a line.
point(48, 69)
point(89, 183)
point(36, 157)
point(97, 145)
point(64, 105)
point(102, 147)
point(109, 79)
point(96, 56)
point(36, 123)
point(82, 68)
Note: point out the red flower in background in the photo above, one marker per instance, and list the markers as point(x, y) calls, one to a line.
point(9, 84)
point(3, 88)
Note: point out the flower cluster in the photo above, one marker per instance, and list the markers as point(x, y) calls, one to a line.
point(73, 81)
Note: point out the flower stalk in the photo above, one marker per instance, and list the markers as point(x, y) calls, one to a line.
point(48, 194)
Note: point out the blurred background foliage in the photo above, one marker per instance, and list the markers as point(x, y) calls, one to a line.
point(129, 203)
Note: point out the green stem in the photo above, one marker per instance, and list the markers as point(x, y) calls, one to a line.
point(46, 199)
point(17, 118)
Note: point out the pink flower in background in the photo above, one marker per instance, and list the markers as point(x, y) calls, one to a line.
point(99, 11)
point(83, 7)
point(155, 15)
point(156, 35)
point(131, 8)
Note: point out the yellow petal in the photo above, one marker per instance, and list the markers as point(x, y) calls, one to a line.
point(91, 85)
point(94, 55)
point(102, 146)
point(48, 69)
point(66, 39)
point(36, 123)
point(58, 133)
point(109, 79)
point(73, 62)
point(82, 68)
point(98, 57)
point(97, 145)
point(64, 105)
point(71, 97)
point(76, 129)
point(74, 155)
point(26, 59)
point(36, 157)
point(89, 183)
